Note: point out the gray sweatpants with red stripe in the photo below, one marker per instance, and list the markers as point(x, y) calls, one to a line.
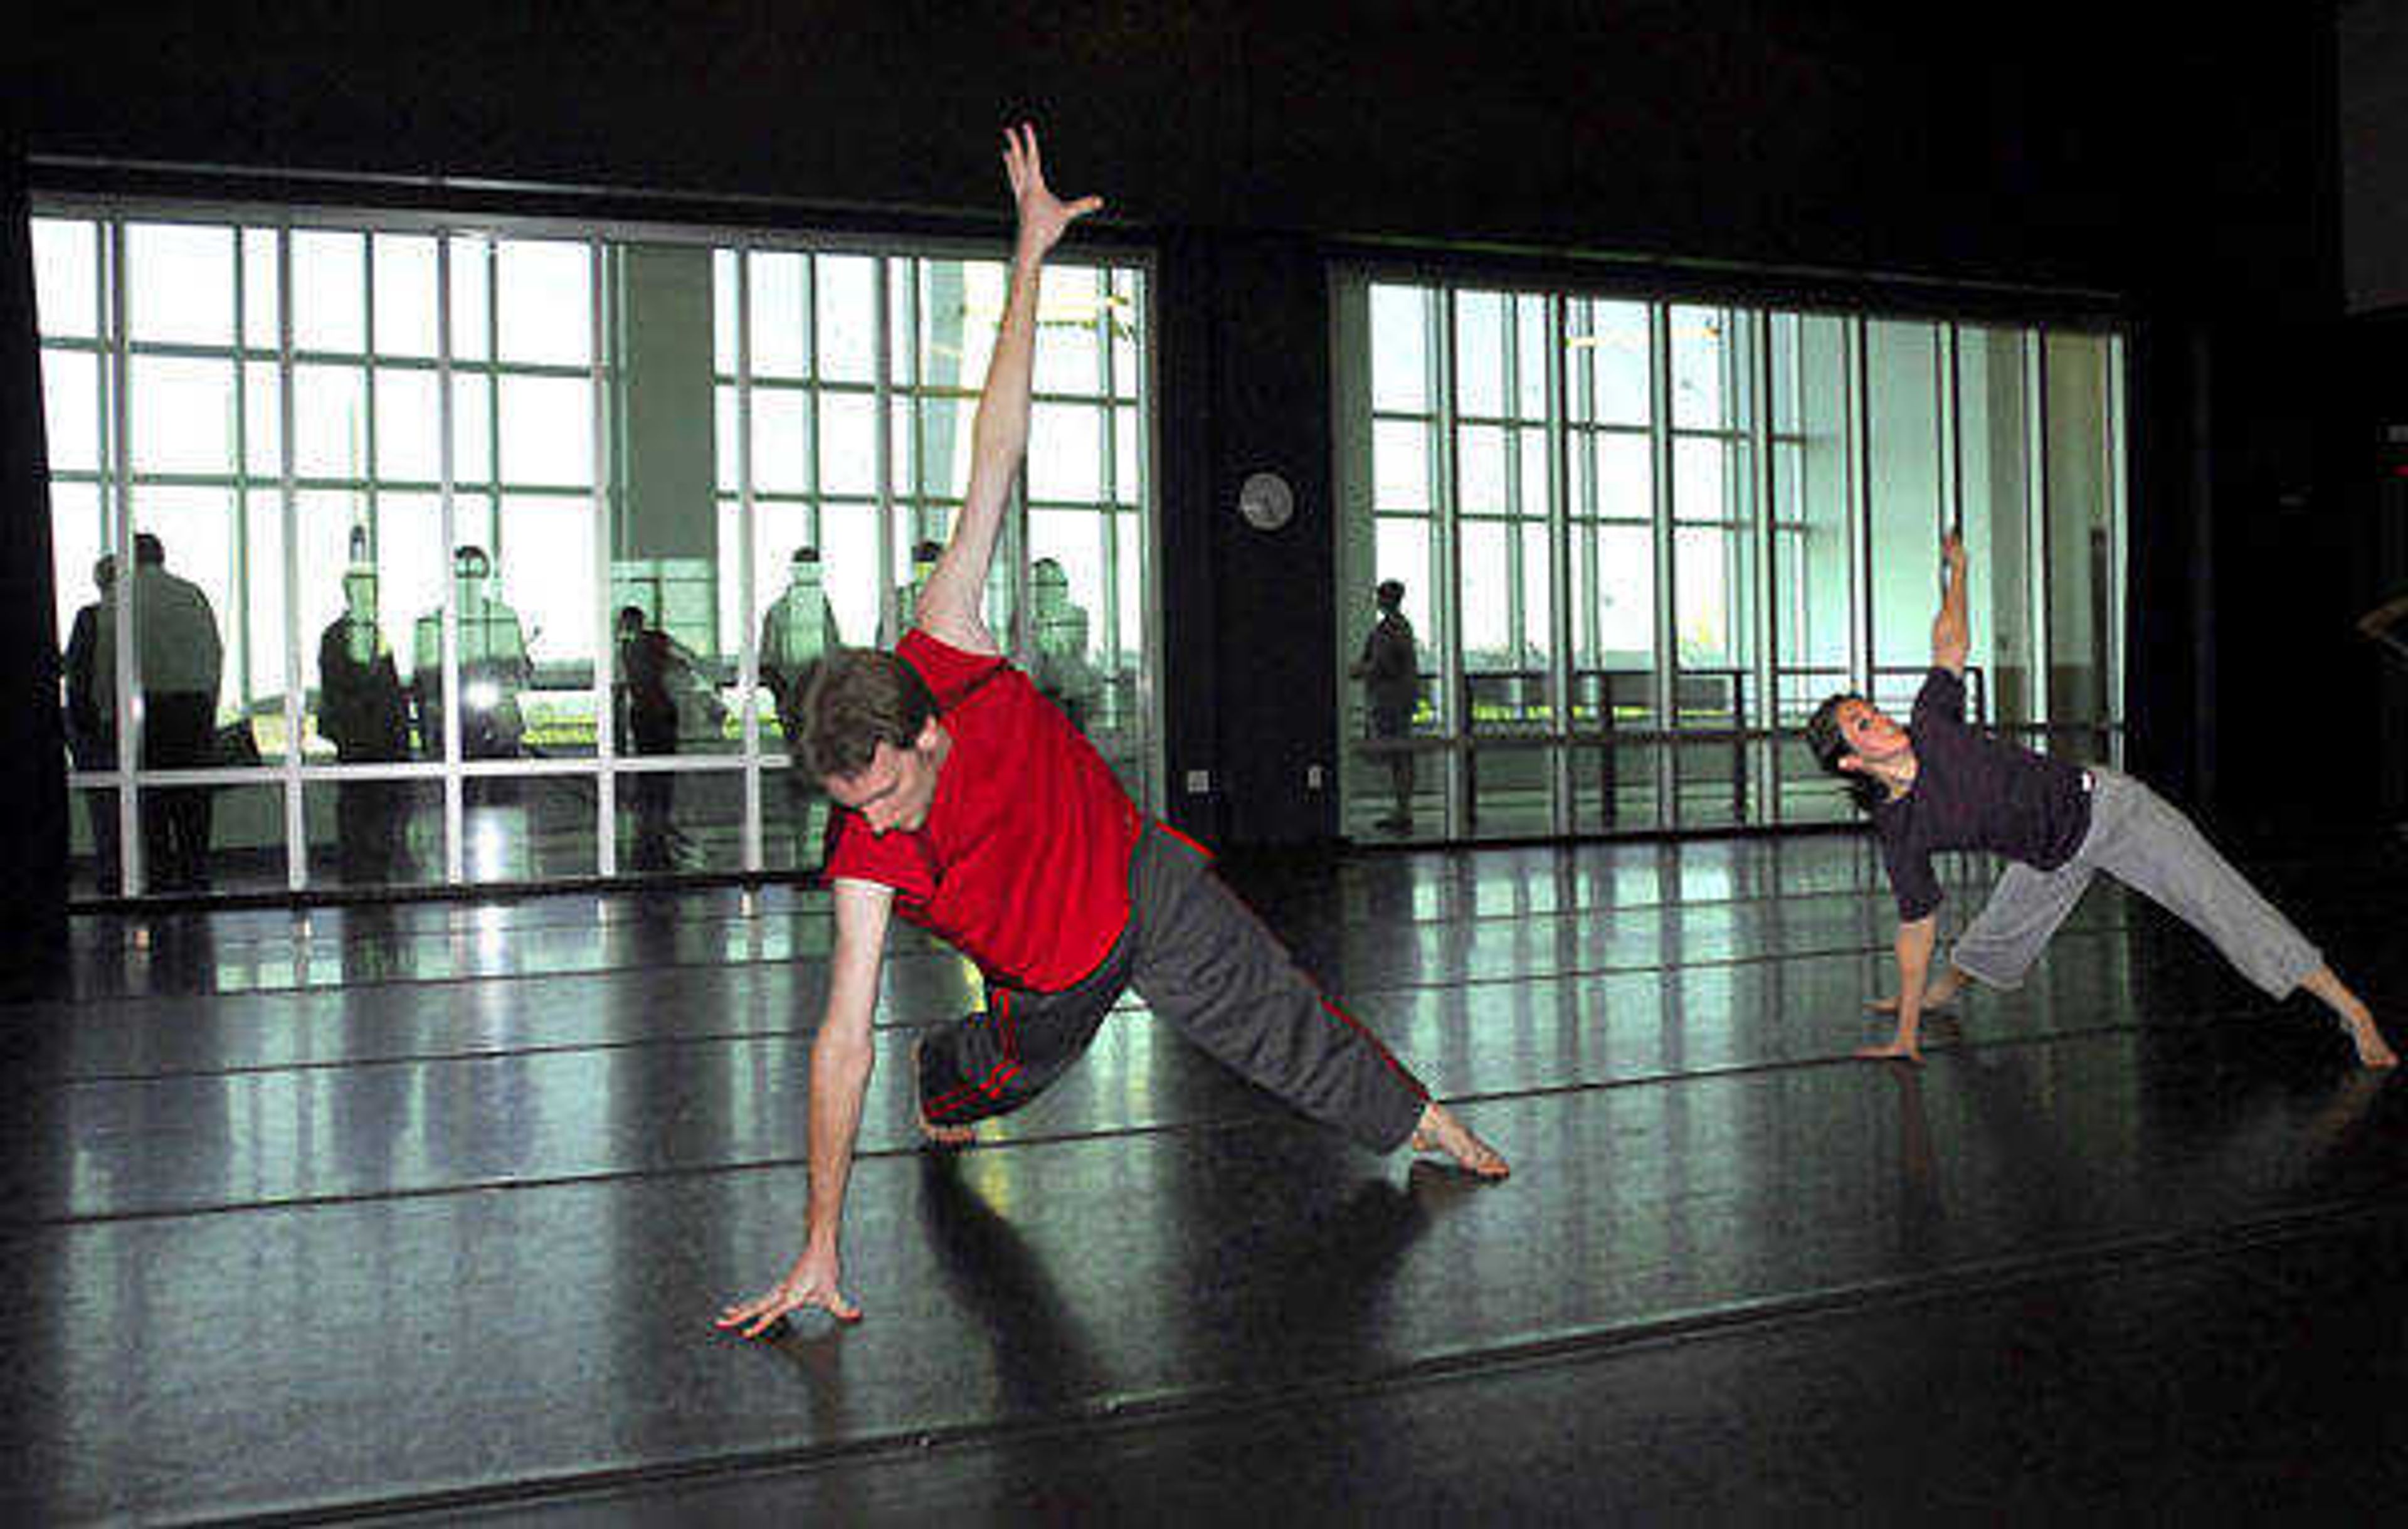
point(1202, 960)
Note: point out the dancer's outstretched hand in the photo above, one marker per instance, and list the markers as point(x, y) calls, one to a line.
point(1043, 216)
point(812, 1282)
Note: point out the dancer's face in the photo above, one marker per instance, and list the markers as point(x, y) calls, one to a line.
point(1871, 734)
point(896, 789)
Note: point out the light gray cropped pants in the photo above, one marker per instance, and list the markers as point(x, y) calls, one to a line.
point(2140, 839)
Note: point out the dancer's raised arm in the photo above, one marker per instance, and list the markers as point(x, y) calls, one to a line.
point(950, 606)
point(1951, 634)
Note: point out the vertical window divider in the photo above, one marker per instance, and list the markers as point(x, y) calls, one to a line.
point(1858, 415)
point(447, 655)
point(1150, 640)
point(1951, 446)
point(605, 640)
point(1763, 710)
point(297, 816)
point(1663, 533)
point(128, 698)
point(748, 633)
point(883, 425)
point(2118, 544)
point(1560, 576)
point(1453, 706)
point(2036, 500)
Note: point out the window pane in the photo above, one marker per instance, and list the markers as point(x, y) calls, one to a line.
point(406, 310)
point(782, 440)
point(1069, 342)
point(1903, 482)
point(472, 429)
point(196, 530)
point(330, 422)
point(66, 276)
point(76, 546)
point(71, 409)
point(1066, 453)
point(330, 278)
point(848, 314)
point(180, 415)
point(1400, 465)
point(410, 425)
point(724, 266)
point(781, 316)
point(1608, 347)
point(848, 444)
point(1993, 423)
point(944, 447)
point(545, 578)
point(2081, 535)
point(256, 673)
point(547, 430)
point(544, 304)
point(1400, 349)
point(1479, 469)
point(179, 284)
point(1613, 479)
point(472, 308)
point(1479, 353)
point(262, 420)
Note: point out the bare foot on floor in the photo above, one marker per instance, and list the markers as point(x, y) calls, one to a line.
point(1439, 1131)
point(2372, 1049)
point(937, 1136)
point(1891, 1051)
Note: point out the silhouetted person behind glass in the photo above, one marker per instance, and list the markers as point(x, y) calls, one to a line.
point(907, 597)
point(796, 631)
point(179, 662)
point(92, 722)
point(364, 712)
point(1389, 667)
point(1063, 674)
point(494, 667)
point(650, 671)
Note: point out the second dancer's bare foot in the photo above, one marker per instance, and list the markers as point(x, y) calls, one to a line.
point(938, 1135)
point(1891, 1051)
point(2372, 1049)
point(1439, 1131)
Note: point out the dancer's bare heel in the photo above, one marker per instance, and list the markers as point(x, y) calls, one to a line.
point(1440, 1131)
point(936, 1135)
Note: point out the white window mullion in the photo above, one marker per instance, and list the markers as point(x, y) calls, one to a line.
point(128, 698)
point(1663, 683)
point(748, 631)
point(606, 645)
point(297, 816)
point(448, 647)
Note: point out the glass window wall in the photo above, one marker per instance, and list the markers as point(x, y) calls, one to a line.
point(1690, 522)
point(466, 558)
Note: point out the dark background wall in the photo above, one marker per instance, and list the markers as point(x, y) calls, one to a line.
point(2048, 159)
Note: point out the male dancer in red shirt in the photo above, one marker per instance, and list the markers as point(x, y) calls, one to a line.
point(969, 806)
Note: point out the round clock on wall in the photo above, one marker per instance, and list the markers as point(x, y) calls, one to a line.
point(1265, 501)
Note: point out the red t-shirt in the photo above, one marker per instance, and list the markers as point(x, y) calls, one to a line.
point(1023, 864)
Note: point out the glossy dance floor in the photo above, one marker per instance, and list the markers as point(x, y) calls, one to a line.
point(427, 1210)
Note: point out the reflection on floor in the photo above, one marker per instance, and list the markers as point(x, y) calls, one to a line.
point(428, 1209)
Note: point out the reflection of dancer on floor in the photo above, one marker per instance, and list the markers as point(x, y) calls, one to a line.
point(970, 807)
point(1935, 784)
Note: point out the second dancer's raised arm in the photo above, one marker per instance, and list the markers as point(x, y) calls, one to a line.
point(950, 606)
